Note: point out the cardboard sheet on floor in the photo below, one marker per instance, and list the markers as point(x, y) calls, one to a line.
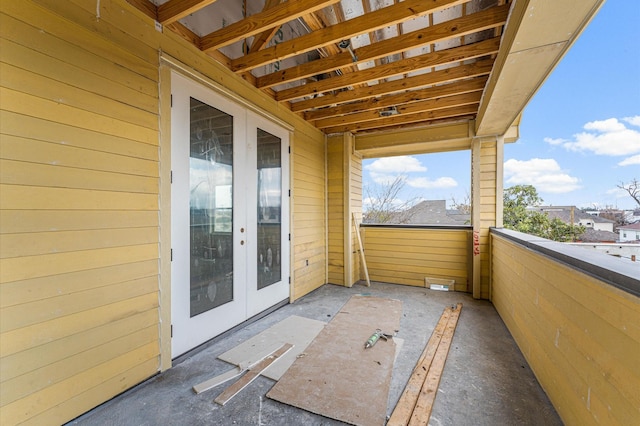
point(298, 331)
point(338, 377)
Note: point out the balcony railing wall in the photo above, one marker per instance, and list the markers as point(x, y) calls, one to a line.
point(575, 315)
point(405, 254)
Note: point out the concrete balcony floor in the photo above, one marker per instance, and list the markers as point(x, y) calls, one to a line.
point(486, 380)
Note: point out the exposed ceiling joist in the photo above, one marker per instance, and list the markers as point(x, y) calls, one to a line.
point(254, 24)
point(374, 66)
point(438, 77)
point(173, 10)
point(460, 27)
point(361, 25)
point(416, 63)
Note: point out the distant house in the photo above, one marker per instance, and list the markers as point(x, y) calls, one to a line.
point(630, 233)
point(596, 236)
point(432, 212)
point(589, 221)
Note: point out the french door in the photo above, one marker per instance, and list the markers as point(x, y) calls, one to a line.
point(229, 214)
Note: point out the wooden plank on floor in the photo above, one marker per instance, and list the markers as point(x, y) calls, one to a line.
point(340, 379)
point(218, 380)
point(299, 331)
point(424, 405)
point(404, 409)
point(251, 375)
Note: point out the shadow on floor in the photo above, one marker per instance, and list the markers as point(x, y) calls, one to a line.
point(486, 380)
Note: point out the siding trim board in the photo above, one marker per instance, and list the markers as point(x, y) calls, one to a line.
point(614, 272)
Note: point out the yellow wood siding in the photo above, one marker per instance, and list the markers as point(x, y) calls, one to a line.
point(80, 217)
point(581, 336)
point(335, 201)
point(407, 256)
point(355, 194)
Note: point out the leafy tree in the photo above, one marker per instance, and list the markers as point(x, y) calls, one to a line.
point(520, 215)
point(384, 204)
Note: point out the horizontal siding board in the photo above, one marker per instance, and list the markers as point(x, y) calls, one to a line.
point(95, 396)
point(29, 150)
point(42, 175)
point(41, 356)
point(26, 128)
point(31, 290)
point(22, 103)
point(42, 333)
point(37, 380)
point(15, 317)
point(55, 69)
point(22, 221)
point(42, 400)
point(34, 84)
point(75, 35)
point(37, 243)
point(23, 268)
point(18, 197)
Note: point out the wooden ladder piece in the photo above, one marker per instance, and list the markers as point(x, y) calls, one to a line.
point(252, 374)
point(413, 402)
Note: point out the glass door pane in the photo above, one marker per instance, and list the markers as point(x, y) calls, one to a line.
point(269, 202)
point(210, 207)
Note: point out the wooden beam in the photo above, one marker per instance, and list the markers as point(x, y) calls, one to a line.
point(470, 24)
point(441, 57)
point(422, 118)
point(261, 40)
point(448, 75)
point(259, 22)
point(412, 108)
point(363, 24)
point(472, 85)
point(173, 10)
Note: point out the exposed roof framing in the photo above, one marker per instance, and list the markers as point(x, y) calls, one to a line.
point(366, 66)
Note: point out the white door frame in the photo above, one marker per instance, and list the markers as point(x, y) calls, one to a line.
point(190, 332)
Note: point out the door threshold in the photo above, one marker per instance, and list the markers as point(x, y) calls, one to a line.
point(181, 358)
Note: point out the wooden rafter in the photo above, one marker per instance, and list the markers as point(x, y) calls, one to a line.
point(363, 24)
point(439, 58)
point(377, 103)
point(401, 119)
point(391, 82)
point(457, 27)
point(262, 21)
point(438, 77)
point(261, 40)
point(411, 108)
point(173, 10)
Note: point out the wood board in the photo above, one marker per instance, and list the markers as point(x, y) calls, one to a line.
point(252, 374)
point(298, 331)
point(338, 377)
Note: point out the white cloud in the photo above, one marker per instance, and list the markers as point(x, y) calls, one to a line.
point(605, 137)
point(552, 141)
point(426, 183)
point(634, 121)
point(631, 161)
point(543, 173)
point(396, 165)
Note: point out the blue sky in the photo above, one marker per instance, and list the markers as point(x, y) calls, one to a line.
point(579, 135)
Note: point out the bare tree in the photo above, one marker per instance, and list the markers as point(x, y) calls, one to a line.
point(632, 188)
point(384, 206)
point(464, 205)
